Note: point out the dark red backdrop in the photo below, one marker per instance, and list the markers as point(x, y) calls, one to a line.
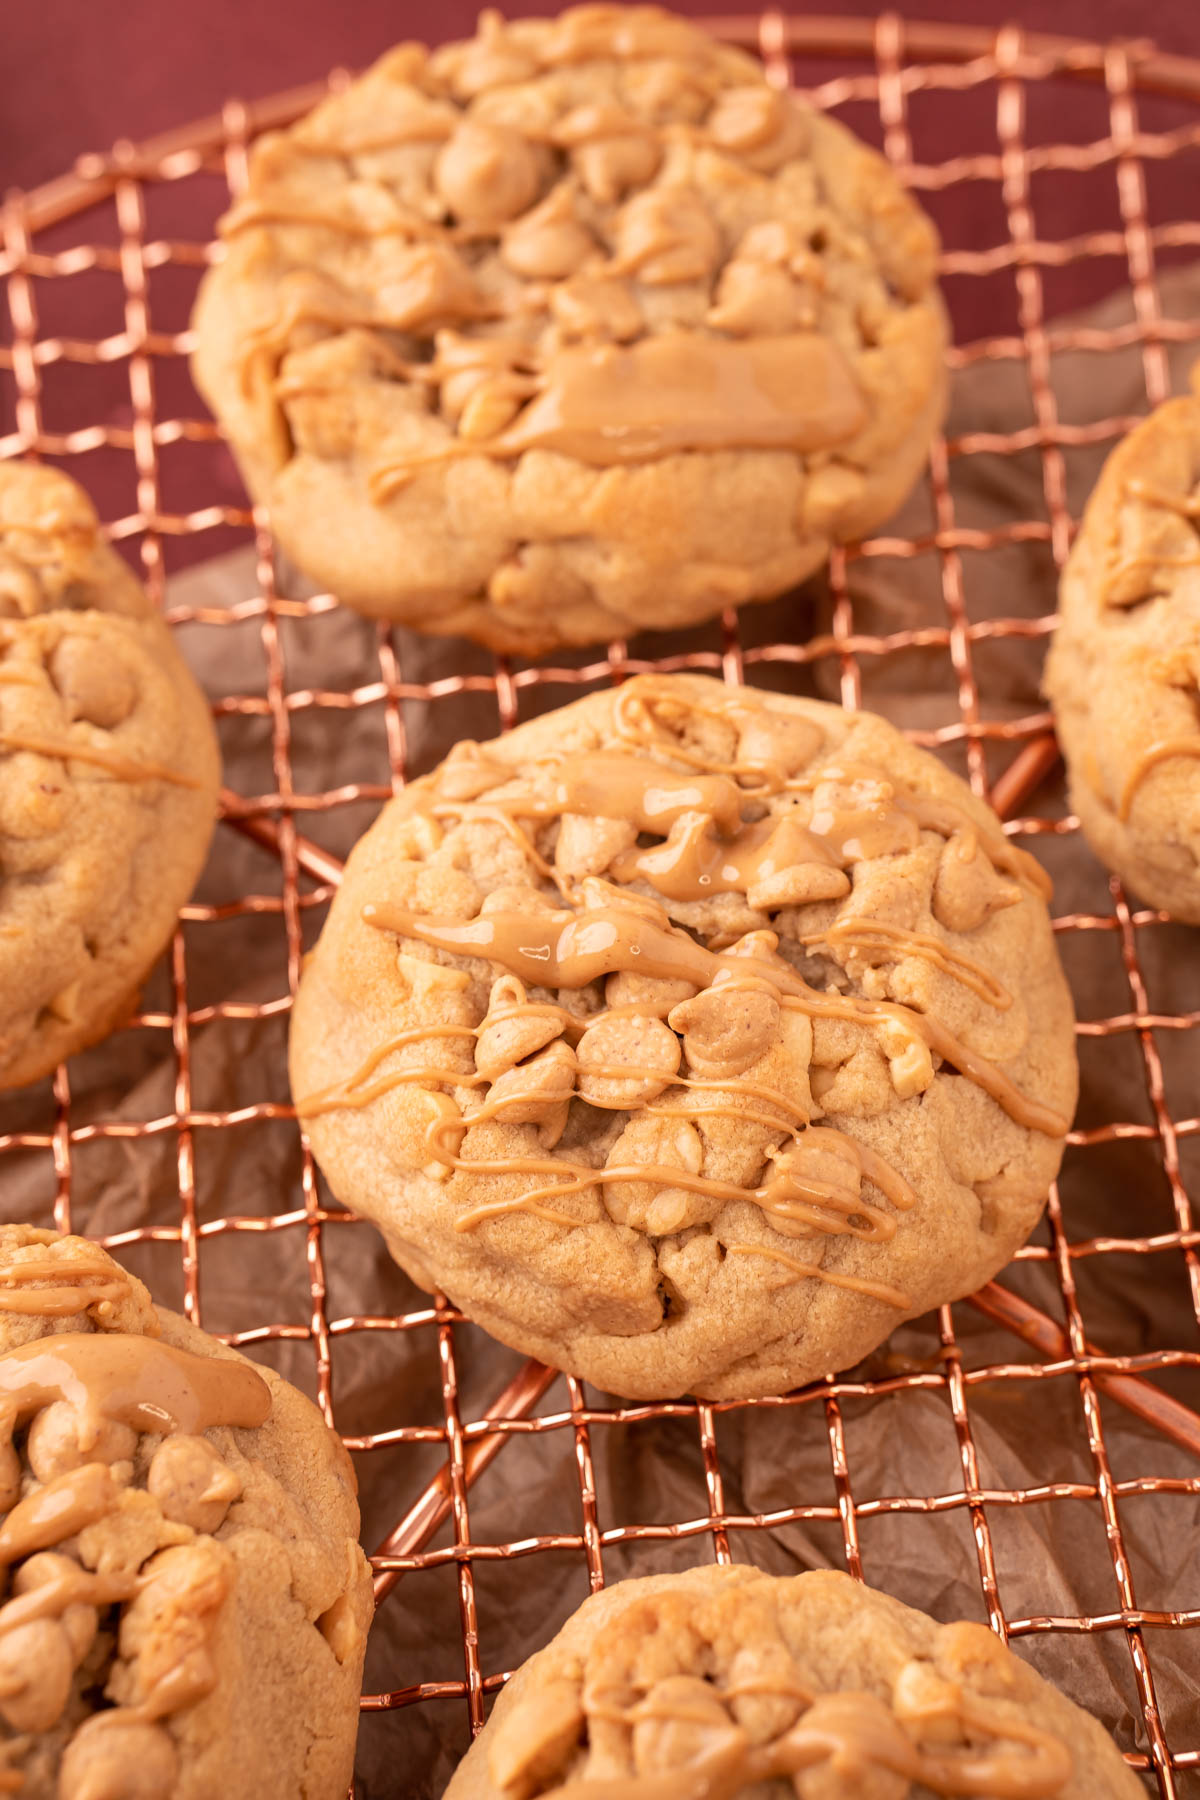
point(79, 75)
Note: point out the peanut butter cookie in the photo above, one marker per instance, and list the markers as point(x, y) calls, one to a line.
point(723, 1681)
point(689, 1038)
point(187, 1604)
point(571, 330)
point(108, 777)
point(1123, 675)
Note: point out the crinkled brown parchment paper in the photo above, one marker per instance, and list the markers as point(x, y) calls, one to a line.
point(1051, 1554)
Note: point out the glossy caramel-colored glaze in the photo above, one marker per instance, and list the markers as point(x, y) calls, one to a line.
point(1163, 751)
point(125, 768)
point(139, 1381)
point(880, 941)
point(54, 1288)
point(69, 1586)
point(607, 405)
point(695, 862)
point(855, 1284)
point(58, 1510)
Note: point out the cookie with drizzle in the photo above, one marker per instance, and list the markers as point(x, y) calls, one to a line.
point(719, 1682)
point(690, 1038)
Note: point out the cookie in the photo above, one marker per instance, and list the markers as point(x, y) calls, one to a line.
point(187, 1603)
point(108, 777)
point(722, 1681)
point(690, 1037)
point(572, 330)
point(1123, 675)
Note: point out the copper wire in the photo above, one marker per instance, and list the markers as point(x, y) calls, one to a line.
point(891, 61)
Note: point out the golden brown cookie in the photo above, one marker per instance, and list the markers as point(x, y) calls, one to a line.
point(690, 1037)
point(722, 1682)
point(186, 1601)
point(108, 777)
point(571, 330)
point(1123, 674)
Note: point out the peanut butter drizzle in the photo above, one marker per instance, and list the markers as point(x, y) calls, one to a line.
point(570, 950)
point(820, 1205)
point(857, 1284)
point(139, 1381)
point(347, 1096)
point(695, 863)
point(1150, 559)
point(254, 213)
point(71, 1586)
point(877, 830)
point(891, 942)
point(58, 1510)
point(1162, 751)
point(352, 1092)
point(71, 1287)
point(856, 1729)
point(419, 128)
point(1187, 506)
point(944, 817)
point(498, 811)
point(272, 339)
point(635, 723)
point(647, 793)
point(125, 768)
point(605, 405)
point(824, 1206)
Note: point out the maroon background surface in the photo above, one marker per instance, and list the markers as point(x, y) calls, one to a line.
point(77, 76)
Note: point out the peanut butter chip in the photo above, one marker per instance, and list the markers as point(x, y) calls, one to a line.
point(592, 307)
point(192, 1483)
point(610, 166)
point(529, 1753)
point(534, 1092)
point(507, 1040)
point(489, 60)
point(667, 235)
point(745, 118)
point(684, 1722)
point(61, 1439)
point(966, 888)
point(51, 1570)
point(765, 128)
point(36, 1665)
point(95, 688)
point(486, 174)
point(549, 242)
point(645, 1047)
point(727, 1028)
point(116, 1758)
point(340, 1630)
point(10, 1476)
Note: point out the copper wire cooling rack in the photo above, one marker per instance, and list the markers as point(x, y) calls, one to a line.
point(136, 226)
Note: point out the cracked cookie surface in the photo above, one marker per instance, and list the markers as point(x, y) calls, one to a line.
point(573, 329)
point(187, 1603)
point(690, 1037)
point(723, 1681)
point(108, 777)
point(1123, 674)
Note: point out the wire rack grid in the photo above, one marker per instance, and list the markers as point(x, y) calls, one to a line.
point(149, 442)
